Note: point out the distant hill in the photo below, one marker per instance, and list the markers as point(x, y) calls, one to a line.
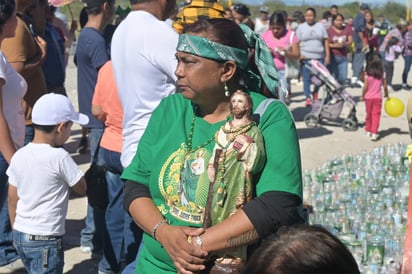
point(317, 2)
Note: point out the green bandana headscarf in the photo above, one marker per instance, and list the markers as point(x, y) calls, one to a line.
point(263, 59)
point(203, 47)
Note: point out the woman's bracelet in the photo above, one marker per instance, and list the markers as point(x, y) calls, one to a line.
point(156, 227)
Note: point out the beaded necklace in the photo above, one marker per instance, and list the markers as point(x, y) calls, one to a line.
point(189, 148)
point(231, 135)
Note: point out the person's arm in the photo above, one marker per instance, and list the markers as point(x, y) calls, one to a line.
point(360, 26)
point(293, 52)
point(187, 258)
point(70, 36)
point(299, 36)
point(398, 48)
point(80, 187)
point(98, 112)
point(363, 38)
point(235, 231)
point(334, 45)
point(385, 87)
point(101, 91)
point(258, 219)
point(7, 148)
point(26, 69)
point(365, 88)
point(327, 51)
point(12, 203)
point(349, 40)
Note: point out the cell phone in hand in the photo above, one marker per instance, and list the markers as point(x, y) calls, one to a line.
point(32, 30)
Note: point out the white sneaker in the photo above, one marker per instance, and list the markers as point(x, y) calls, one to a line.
point(374, 137)
point(14, 267)
point(85, 249)
point(294, 81)
point(360, 83)
point(353, 80)
point(369, 134)
point(406, 87)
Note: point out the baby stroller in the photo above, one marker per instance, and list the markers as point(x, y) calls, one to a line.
point(331, 105)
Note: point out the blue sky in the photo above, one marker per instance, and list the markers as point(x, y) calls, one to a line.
point(317, 2)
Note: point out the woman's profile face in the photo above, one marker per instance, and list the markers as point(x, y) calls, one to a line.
point(198, 78)
point(277, 30)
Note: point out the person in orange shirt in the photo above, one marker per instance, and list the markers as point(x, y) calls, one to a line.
point(123, 236)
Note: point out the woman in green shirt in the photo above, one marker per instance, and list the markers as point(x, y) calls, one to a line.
point(212, 63)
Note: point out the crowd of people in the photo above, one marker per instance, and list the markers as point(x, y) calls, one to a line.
point(202, 162)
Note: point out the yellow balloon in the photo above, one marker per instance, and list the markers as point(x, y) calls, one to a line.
point(394, 107)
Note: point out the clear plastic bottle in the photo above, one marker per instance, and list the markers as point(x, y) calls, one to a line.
point(375, 249)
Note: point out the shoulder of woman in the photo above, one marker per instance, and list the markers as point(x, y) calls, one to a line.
point(269, 106)
point(176, 97)
point(172, 105)
point(266, 34)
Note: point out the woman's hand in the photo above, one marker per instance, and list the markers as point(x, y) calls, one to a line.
point(339, 45)
point(43, 47)
point(188, 258)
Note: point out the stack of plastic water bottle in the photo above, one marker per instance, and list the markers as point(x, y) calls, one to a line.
point(363, 199)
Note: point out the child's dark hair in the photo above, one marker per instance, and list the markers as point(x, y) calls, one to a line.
point(288, 253)
point(278, 18)
point(393, 41)
point(48, 129)
point(374, 66)
point(45, 129)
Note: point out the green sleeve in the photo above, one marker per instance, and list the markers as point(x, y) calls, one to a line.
point(139, 169)
point(282, 171)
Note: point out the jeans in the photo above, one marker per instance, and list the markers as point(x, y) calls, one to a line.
point(407, 67)
point(338, 67)
point(357, 63)
point(388, 66)
point(89, 235)
point(7, 252)
point(382, 54)
point(307, 77)
point(131, 268)
point(123, 235)
point(283, 85)
point(29, 134)
point(373, 115)
point(40, 256)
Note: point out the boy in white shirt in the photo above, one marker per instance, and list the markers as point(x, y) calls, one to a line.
point(40, 177)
